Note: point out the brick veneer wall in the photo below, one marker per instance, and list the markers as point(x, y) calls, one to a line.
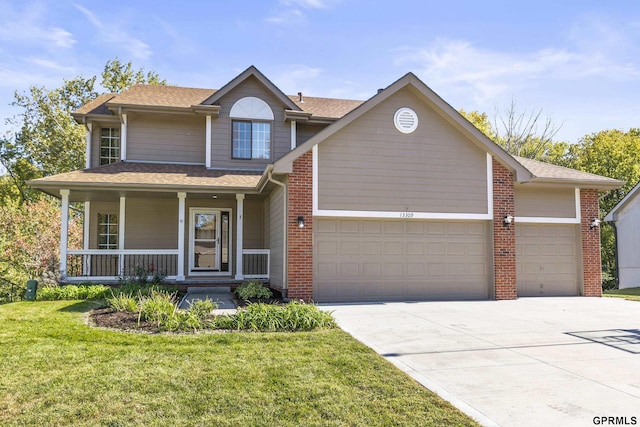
point(591, 264)
point(300, 240)
point(504, 237)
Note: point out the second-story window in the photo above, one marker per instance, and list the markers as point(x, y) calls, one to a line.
point(251, 139)
point(109, 145)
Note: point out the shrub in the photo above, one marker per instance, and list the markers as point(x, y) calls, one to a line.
point(202, 308)
point(251, 290)
point(73, 292)
point(10, 291)
point(141, 274)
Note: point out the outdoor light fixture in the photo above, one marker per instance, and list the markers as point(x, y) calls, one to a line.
point(595, 223)
point(508, 219)
point(300, 222)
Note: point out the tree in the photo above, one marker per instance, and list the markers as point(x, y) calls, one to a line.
point(46, 141)
point(117, 76)
point(524, 133)
point(30, 237)
point(615, 154)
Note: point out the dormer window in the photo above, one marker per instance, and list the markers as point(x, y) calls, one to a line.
point(109, 145)
point(251, 140)
point(251, 129)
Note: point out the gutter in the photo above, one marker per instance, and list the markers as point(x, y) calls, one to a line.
point(284, 230)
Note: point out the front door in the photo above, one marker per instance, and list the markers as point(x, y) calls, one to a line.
point(208, 241)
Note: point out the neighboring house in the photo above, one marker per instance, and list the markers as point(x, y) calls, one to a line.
point(394, 198)
point(626, 218)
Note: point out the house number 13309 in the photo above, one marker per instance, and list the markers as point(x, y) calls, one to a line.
point(406, 214)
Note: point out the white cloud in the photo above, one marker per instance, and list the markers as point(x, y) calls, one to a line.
point(296, 78)
point(50, 65)
point(491, 73)
point(115, 34)
point(292, 11)
point(28, 26)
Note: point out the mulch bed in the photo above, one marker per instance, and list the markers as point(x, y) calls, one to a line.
point(122, 320)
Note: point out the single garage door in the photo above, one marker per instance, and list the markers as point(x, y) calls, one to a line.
point(547, 259)
point(387, 260)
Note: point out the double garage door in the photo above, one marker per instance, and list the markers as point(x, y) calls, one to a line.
point(387, 260)
point(402, 260)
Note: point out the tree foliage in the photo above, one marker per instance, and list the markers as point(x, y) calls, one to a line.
point(46, 140)
point(117, 76)
point(31, 237)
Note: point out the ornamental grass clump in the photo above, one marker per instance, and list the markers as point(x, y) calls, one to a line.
point(124, 302)
point(290, 317)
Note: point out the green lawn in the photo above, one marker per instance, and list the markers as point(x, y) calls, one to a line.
point(56, 371)
point(632, 294)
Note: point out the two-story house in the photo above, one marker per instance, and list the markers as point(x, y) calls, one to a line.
point(394, 198)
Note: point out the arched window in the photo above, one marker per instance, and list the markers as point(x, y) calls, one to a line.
point(251, 120)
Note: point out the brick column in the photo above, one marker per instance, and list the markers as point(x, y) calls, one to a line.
point(300, 240)
point(504, 237)
point(591, 264)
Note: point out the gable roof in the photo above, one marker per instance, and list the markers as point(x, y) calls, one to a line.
point(251, 72)
point(284, 164)
point(631, 195)
point(160, 96)
point(549, 173)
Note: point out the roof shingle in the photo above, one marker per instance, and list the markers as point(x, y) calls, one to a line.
point(130, 174)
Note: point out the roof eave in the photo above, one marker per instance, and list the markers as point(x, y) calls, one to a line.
point(613, 184)
point(47, 186)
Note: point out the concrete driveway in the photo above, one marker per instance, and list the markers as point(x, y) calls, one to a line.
point(528, 362)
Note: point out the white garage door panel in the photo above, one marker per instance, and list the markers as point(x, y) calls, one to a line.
point(385, 260)
point(547, 261)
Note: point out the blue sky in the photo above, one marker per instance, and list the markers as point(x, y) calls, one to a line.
point(579, 61)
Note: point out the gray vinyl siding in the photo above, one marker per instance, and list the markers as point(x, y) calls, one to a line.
point(370, 166)
point(276, 235)
point(166, 138)
point(305, 131)
point(545, 202)
point(253, 237)
point(221, 128)
point(151, 223)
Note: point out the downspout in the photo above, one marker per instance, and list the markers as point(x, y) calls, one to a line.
point(284, 242)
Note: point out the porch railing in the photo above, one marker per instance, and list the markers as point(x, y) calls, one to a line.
point(255, 263)
point(110, 264)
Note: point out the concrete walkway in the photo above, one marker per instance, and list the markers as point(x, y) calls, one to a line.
point(221, 295)
point(529, 362)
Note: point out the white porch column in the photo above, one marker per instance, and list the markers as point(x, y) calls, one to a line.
point(121, 222)
point(88, 151)
point(123, 138)
point(181, 209)
point(294, 136)
point(64, 232)
point(239, 233)
point(86, 270)
point(208, 142)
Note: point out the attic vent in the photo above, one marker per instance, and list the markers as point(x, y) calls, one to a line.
point(406, 120)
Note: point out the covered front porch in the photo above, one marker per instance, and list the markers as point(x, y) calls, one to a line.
point(178, 236)
point(181, 236)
